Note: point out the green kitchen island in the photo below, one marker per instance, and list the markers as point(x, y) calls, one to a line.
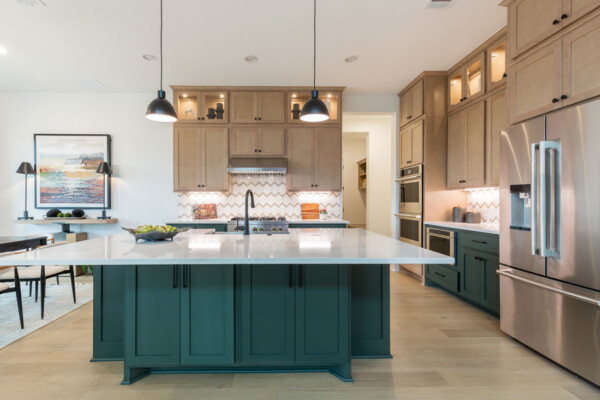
point(205, 302)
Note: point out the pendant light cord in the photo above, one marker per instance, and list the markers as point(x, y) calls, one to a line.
point(314, 45)
point(161, 45)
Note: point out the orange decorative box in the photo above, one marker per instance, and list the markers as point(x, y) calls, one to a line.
point(205, 211)
point(310, 210)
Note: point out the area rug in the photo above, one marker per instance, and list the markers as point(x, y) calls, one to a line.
point(59, 302)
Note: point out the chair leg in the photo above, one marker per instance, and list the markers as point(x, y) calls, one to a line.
point(30, 287)
point(36, 291)
point(19, 303)
point(57, 282)
point(43, 288)
point(72, 275)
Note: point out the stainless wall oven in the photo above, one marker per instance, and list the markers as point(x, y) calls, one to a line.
point(440, 240)
point(411, 190)
point(410, 228)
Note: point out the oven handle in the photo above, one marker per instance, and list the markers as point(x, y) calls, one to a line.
point(412, 177)
point(413, 216)
point(441, 236)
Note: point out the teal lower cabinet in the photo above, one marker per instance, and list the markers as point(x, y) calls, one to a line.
point(225, 318)
point(207, 315)
point(109, 295)
point(266, 300)
point(474, 276)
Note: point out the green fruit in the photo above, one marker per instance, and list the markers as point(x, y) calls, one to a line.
point(60, 215)
point(67, 215)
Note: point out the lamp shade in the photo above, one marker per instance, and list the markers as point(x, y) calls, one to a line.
point(314, 110)
point(161, 110)
point(25, 168)
point(104, 168)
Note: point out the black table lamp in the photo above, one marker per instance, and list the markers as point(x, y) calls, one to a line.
point(26, 169)
point(104, 169)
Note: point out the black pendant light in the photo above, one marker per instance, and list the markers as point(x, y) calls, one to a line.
point(160, 109)
point(314, 110)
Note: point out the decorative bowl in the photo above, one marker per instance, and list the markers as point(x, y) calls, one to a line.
point(67, 218)
point(155, 236)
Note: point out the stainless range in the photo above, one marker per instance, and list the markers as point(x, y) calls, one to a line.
point(265, 225)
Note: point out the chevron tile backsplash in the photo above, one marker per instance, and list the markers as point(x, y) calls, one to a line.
point(270, 197)
point(487, 202)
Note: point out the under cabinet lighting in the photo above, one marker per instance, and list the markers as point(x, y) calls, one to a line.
point(185, 95)
point(222, 96)
point(494, 55)
point(294, 95)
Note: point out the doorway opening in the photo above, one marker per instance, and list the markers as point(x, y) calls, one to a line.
point(355, 178)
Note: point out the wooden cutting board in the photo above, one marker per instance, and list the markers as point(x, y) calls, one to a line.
point(310, 210)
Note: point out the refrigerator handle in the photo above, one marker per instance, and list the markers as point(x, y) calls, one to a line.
point(534, 199)
point(550, 174)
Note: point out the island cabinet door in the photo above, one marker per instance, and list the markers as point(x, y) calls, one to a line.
point(207, 315)
point(322, 314)
point(266, 321)
point(152, 305)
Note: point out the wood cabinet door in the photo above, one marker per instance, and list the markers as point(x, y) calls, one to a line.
point(243, 141)
point(471, 274)
point(457, 151)
point(581, 62)
point(152, 323)
point(532, 21)
point(271, 107)
point(406, 105)
point(417, 99)
point(575, 9)
point(300, 152)
point(207, 315)
point(490, 296)
point(416, 134)
point(322, 314)
point(405, 147)
point(496, 122)
point(475, 127)
point(329, 158)
point(244, 107)
point(272, 141)
point(267, 314)
point(188, 168)
point(535, 84)
point(216, 159)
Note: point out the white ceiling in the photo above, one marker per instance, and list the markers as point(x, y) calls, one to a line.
point(206, 42)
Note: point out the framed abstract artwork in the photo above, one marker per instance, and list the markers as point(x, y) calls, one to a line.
point(65, 171)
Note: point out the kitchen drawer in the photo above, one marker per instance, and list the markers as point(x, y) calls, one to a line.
point(481, 242)
point(443, 276)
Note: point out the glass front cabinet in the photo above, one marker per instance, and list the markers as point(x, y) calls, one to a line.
point(467, 81)
point(295, 102)
point(201, 106)
point(496, 62)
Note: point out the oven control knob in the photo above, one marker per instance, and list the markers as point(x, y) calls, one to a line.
point(273, 229)
point(280, 229)
point(261, 229)
point(254, 229)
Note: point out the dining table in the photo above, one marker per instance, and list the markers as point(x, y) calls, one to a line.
point(15, 243)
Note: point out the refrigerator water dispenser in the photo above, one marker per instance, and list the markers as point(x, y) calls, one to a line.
point(520, 207)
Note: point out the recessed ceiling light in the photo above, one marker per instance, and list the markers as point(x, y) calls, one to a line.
point(351, 59)
point(31, 3)
point(3, 51)
point(90, 83)
point(149, 57)
point(251, 59)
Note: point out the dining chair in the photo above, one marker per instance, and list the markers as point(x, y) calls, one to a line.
point(6, 288)
point(38, 274)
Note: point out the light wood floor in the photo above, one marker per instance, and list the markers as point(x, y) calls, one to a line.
point(442, 347)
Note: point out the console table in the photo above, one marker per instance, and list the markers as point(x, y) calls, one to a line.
point(66, 224)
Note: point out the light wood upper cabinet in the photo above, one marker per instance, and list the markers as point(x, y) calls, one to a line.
point(314, 159)
point(411, 145)
point(535, 84)
point(255, 141)
point(257, 107)
point(201, 106)
point(467, 82)
point(581, 63)
point(496, 121)
point(411, 103)
point(496, 64)
point(200, 159)
point(466, 147)
point(575, 9)
point(532, 21)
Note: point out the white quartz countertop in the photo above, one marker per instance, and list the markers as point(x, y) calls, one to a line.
point(313, 246)
point(199, 221)
point(291, 221)
point(492, 229)
point(318, 221)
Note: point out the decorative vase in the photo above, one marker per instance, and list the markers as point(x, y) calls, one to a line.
point(296, 111)
point(211, 113)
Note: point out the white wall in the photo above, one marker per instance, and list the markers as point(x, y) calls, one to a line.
point(354, 148)
point(142, 190)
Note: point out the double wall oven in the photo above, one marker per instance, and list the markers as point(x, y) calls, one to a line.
point(410, 208)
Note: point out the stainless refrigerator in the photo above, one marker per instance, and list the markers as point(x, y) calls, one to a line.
point(550, 236)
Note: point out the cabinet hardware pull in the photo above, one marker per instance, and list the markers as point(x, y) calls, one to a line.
point(185, 284)
point(260, 118)
point(438, 274)
point(291, 276)
point(555, 100)
point(504, 75)
point(301, 283)
point(175, 276)
point(409, 117)
point(564, 16)
point(478, 241)
point(259, 150)
point(564, 96)
point(555, 22)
